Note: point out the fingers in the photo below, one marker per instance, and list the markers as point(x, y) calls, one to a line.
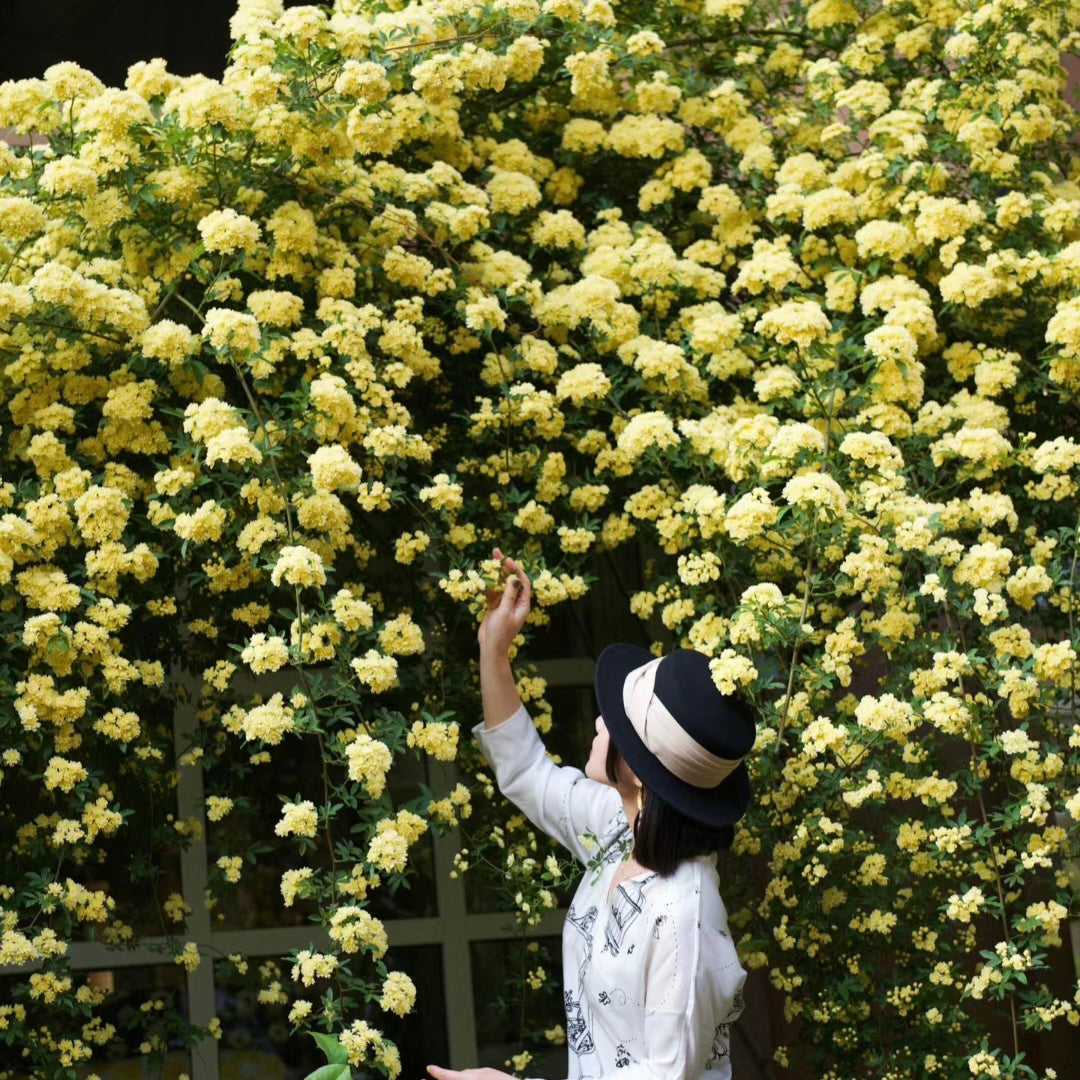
point(510, 594)
point(522, 588)
point(507, 565)
point(517, 589)
point(467, 1074)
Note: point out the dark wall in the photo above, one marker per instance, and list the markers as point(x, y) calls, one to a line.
point(106, 36)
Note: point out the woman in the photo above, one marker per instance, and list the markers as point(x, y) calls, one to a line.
point(652, 980)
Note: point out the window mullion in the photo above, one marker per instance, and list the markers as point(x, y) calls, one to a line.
point(457, 958)
point(194, 877)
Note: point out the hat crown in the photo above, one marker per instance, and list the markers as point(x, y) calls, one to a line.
point(719, 724)
point(681, 736)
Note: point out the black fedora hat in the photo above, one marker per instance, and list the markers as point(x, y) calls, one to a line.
point(684, 740)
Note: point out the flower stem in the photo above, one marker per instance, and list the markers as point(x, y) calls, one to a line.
point(985, 817)
point(807, 572)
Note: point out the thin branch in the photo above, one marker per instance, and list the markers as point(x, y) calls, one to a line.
point(79, 330)
point(299, 665)
point(810, 554)
point(505, 385)
point(11, 261)
point(985, 816)
point(445, 43)
point(1072, 621)
point(164, 301)
point(196, 312)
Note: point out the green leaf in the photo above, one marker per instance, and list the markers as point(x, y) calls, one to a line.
point(330, 1072)
point(335, 1053)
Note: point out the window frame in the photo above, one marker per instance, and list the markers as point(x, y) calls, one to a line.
point(453, 928)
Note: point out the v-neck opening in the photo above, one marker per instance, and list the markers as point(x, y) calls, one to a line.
point(613, 888)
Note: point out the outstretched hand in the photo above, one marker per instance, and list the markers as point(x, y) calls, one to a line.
point(507, 608)
point(467, 1074)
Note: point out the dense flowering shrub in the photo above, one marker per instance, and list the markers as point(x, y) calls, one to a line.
point(784, 294)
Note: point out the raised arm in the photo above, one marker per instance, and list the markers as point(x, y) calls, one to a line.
point(507, 610)
point(561, 801)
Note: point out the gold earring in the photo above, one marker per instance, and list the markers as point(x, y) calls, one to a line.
point(640, 799)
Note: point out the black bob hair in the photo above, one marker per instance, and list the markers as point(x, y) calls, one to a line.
point(664, 836)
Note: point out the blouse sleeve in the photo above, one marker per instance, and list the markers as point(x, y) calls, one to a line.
point(560, 800)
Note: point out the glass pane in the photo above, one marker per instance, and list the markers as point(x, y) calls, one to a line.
point(136, 872)
point(421, 1036)
point(503, 995)
point(573, 723)
point(619, 576)
point(258, 1041)
point(567, 634)
point(121, 1058)
point(256, 1038)
point(133, 866)
point(255, 902)
point(417, 899)
point(585, 627)
point(571, 735)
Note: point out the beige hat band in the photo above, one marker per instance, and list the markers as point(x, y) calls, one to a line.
point(665, 738)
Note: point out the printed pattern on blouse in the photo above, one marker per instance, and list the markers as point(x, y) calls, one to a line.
point(578, 1034)
point(721, 1048)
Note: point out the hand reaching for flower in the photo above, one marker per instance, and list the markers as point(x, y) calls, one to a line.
point(507, 608)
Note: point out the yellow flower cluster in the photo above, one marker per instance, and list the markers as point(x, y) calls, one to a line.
point(310, 966)
point(388, 850)
point(298, 565)
point(230, 866)
point(353, 928)
point(437, 739)
point(368, 762)
point(398, 994)
point(298, 819)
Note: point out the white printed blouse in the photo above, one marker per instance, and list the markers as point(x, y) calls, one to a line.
point(651, 978)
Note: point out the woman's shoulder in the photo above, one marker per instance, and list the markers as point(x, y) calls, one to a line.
point(691, 875)
point(691, 891)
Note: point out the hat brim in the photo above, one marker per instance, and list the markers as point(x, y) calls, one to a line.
point(720, 805)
